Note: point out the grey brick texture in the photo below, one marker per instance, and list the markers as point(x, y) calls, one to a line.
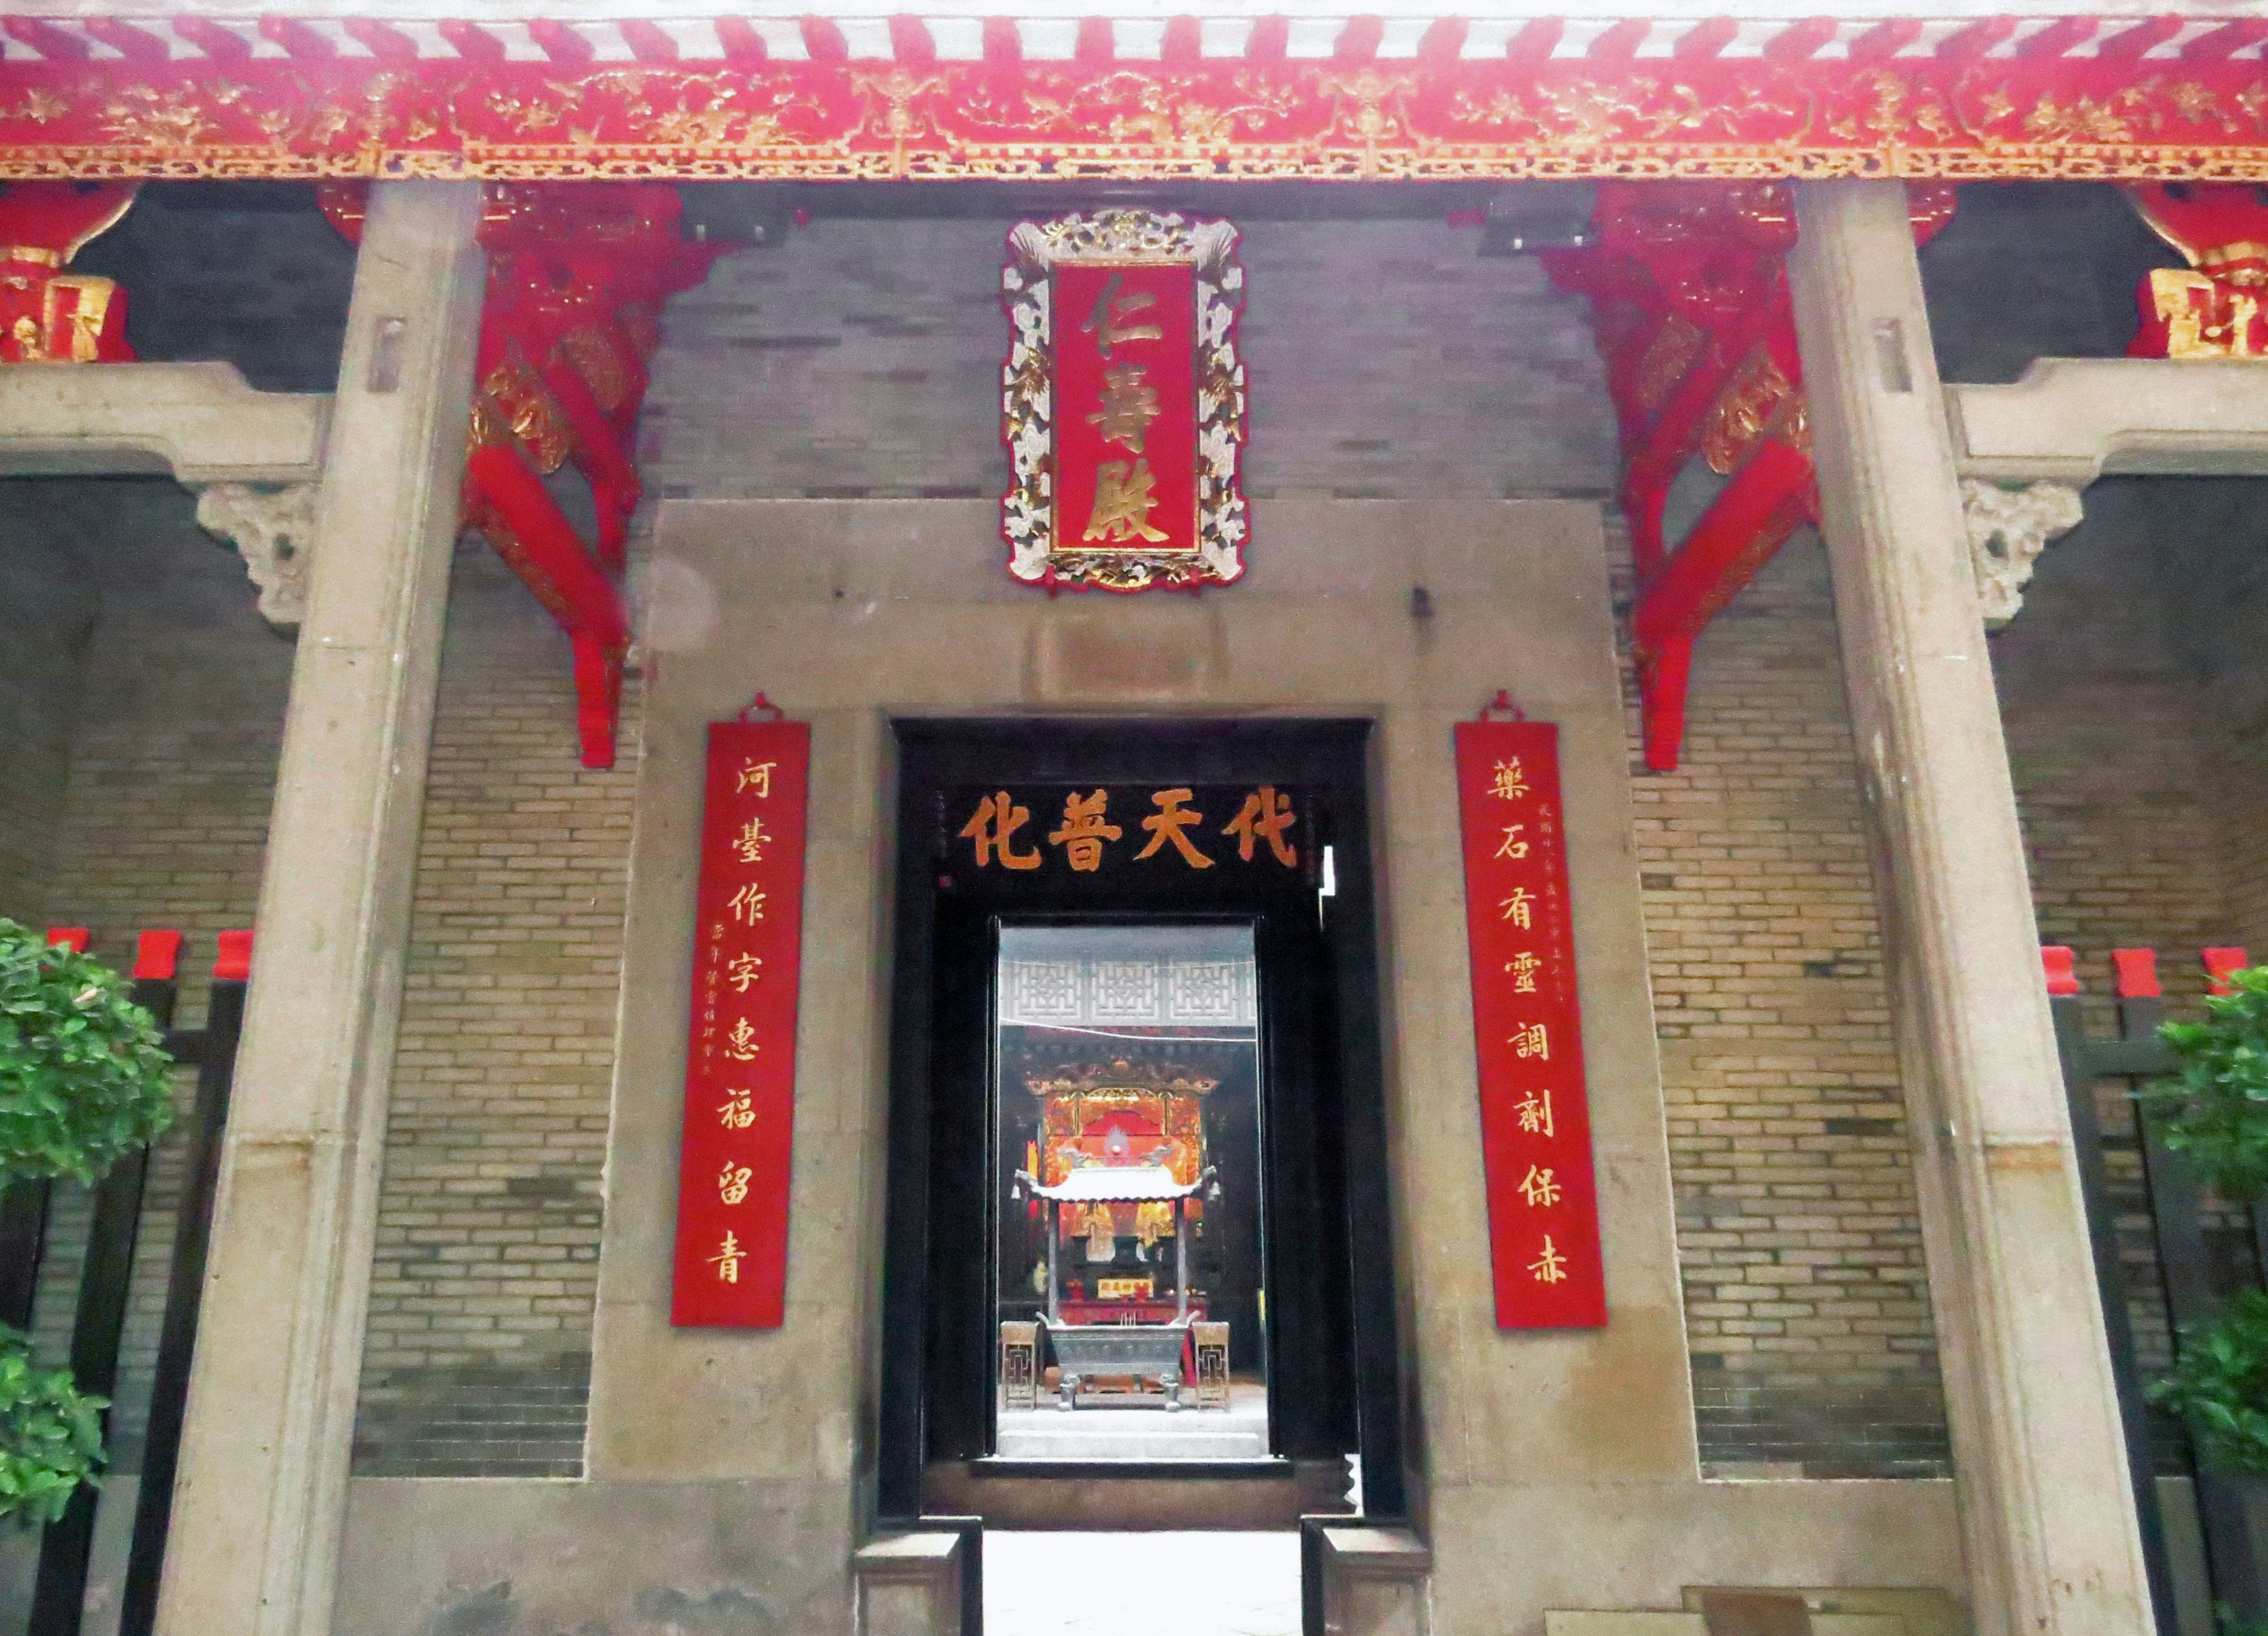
point(477, 1358)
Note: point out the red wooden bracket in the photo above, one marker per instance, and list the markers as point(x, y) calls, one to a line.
point(2059, 964)
point(576, 279)
point(1688, 294)
point(48, 315)
point(2210, 308)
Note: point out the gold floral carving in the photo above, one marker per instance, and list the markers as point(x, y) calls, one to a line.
point(1756, 401)
point(592, 356)
point(1217, 121)
point(524, 405)
point(1668, 357)
point(91, 304)
point(2202, 318)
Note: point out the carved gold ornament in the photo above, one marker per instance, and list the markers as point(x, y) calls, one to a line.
point(1954, 117)
point(1755, 402)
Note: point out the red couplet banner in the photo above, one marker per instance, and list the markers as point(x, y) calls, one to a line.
point(740, 1058)
point(1535, 1126)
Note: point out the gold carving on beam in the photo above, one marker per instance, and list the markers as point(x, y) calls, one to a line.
point(526, 405)
point(2202, 318)
point(593, 355)
point(1747, 405)
point(1668, 357)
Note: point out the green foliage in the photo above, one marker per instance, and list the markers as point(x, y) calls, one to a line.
point(2220, 1385)
point(50, 1435)
point(2216, 1110)
point(83, 1071)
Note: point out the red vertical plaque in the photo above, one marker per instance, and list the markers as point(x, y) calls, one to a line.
point(1536, 1127)
point(1126, 427)
point(739, 1058)
point(1122, 402)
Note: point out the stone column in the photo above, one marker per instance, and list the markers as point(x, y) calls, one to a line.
point(262, 1492)
point(2047, 1516)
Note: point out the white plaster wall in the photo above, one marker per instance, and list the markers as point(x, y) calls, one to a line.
point(726, 1468)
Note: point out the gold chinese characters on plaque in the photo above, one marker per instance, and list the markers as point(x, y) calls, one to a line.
point(1122, 402)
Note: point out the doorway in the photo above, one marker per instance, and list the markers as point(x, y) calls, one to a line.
point(1137, 1266)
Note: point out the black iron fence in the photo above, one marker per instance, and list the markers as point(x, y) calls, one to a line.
point(2167, 1252)
point(105, 1277)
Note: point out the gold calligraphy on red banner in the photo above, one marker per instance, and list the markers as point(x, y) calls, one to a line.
point(740, 1070)
point(1536, 1136)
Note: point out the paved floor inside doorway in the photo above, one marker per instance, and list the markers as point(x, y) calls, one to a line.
point(1152, 1584)
point(1139, 1428)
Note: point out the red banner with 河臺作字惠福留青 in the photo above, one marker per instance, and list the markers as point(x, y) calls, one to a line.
point(1528, 1030)
point(739, 1062)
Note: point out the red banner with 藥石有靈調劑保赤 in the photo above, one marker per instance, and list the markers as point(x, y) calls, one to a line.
point(1528, 1028)
point(739, 1063)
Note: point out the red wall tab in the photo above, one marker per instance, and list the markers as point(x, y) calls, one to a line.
point(2138, 973)
point(2059, 964)
point(737, 1154)
point(1528, 1028)
point(232, 957)
point(2219, 962)
point(156, 956)
point(72, 938)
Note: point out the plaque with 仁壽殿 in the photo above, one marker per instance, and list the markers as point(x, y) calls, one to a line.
point(1122, 402)
point(737, 1152)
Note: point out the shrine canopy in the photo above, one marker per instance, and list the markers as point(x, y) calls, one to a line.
point(731, 89)
point(1099, 1182)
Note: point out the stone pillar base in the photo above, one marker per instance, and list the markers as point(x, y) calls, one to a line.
point(1361, 1580)
point(909, 1584)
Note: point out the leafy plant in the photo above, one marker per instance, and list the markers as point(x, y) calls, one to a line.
point(83, 1082)
point(50, 1435)
point(2220, 1385)
point(83, 1069)
point(2216, 1110)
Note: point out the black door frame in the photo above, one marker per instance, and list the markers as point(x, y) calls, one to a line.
point(1329, 756)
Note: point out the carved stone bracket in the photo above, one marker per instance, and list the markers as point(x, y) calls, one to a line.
point(273, 530)
point(2008, 528)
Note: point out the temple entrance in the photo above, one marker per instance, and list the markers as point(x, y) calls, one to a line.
point(1129, 1241)
point(1136, 1142)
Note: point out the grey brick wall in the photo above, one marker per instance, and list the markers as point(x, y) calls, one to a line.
point(1807, 1303)
point(45, 615)
point(1387, 358)
point(862, 358)
point(477, 1358)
